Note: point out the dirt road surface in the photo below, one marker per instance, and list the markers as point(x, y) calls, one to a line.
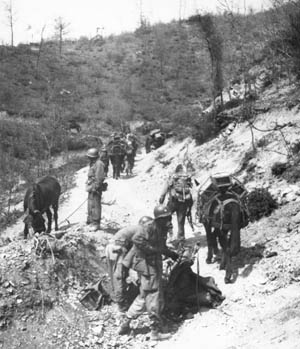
point(261, 309)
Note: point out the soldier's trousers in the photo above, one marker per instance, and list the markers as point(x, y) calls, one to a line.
point(120, 275)
point(150, 300)
point(94, 208)
point(181, 208)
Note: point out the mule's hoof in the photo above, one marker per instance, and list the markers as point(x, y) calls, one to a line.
point(227, 281)
point(208, 261)
point(222, 267)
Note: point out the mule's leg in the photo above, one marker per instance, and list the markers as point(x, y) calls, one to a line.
point(209, 239)
point(55, 209)
point(228, 272)
point(224, 244)
point(26, 231)
point(181, 210)
point(49, 216)
point(118, 170)
point(131, 164)
point(114, 171)
point(235, 238)
point(226, 256)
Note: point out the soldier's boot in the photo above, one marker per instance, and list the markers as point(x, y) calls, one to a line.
point(122, 307)
point(125, 327)
point(155, 335)
point(94, 227)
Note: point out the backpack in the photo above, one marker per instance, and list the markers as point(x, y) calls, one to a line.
point(181, 187)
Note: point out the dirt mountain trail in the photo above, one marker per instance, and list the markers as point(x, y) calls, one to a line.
point(262, 306)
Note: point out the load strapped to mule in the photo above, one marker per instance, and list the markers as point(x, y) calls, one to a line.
point(223, 188)
point(116, 147)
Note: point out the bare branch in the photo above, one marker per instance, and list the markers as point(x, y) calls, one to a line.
point(11, 18)
point(61, 28)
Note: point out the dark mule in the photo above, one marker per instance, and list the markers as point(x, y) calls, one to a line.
point(117, 161)
point(223, 223)
point(38, 199)
point(117, 156)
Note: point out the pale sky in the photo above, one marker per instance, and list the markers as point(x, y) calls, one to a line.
point(110, 16)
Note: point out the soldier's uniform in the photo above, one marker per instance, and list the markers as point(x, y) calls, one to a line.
point(180, 199)
point(148, 245)
point(116, 251)
point(96, 176)
point(105, 159)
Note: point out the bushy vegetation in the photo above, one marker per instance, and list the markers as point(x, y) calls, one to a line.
point(156, 75)
point(260, 203)
point(278, 168)
point(285, 42)
point(290, 171)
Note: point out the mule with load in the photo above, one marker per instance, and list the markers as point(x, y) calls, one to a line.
point(117, 151)
point(222, 210)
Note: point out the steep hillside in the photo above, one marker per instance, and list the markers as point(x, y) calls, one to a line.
point(262, 305)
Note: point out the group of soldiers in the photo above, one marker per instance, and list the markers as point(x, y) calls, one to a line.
point(141, 247)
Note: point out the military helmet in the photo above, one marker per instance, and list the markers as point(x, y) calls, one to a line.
point(161, 211)
point(145, 220)
point(92, 153)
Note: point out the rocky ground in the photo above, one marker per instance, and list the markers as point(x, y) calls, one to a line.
point(39, 295)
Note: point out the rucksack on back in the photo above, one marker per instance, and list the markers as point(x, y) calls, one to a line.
point(181, 186)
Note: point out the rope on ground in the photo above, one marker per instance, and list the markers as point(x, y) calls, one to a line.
point(51, 250)
point(70, 215)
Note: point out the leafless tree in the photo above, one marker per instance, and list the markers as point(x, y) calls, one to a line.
point(11, 18)
point(61, 29)
point(214, 46)
point(40, 49)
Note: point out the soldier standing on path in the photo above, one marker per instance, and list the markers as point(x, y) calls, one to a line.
point(180, 200)
point(149, 245)
point(105, 159)
point(94, 186)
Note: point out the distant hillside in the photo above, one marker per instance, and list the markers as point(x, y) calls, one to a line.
point(160, 73)
point(155, 73)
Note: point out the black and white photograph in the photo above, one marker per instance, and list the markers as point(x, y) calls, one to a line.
point(149, 174)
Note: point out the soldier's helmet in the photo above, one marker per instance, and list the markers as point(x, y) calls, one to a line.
point(145, 220)
point(92, 153)
point(161, 211)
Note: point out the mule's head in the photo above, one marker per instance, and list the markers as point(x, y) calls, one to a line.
point(36, 221)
